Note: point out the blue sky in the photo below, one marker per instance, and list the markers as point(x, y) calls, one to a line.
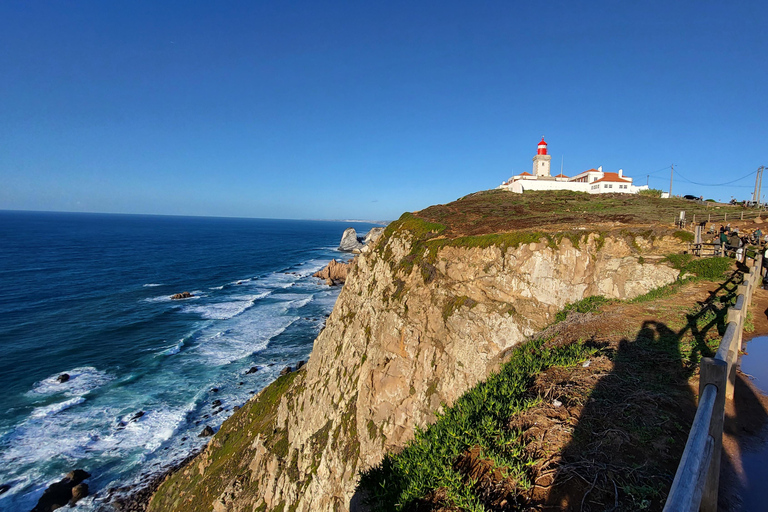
point(368, 109)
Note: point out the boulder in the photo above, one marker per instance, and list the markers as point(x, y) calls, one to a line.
point(373, 235)
point(333, 273)
point(207, 432)
point(215, 403)
point(182, 295)
point(66, 491)
point(253, 369)
point(61, 379)
point(349, 241)
point(4, 488)
point(286, 371)
point(79, 492)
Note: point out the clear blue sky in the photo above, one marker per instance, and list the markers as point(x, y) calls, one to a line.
point(368, 109)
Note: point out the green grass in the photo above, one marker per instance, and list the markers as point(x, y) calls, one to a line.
point(478, 418)
point(586, 305)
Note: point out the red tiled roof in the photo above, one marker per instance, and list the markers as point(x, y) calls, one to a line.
point(611, 176)
point(561, 175)
point(525, 174)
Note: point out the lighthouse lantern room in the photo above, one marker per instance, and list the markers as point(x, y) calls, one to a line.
point(541, 161)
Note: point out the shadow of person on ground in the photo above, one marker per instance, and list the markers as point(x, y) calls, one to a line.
point(631, 432)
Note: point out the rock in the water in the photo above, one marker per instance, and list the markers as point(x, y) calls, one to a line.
point(286, 370)
point(334, 272)
point(349, 241)
point(4, 488)
point(300, 364)
point(182, 295)
point(137, 415)
point(79, 492)
point(216, 403)
point(253, 369)
point(63, 492)
point(207, 432)
point(61, 379)
point(373, 235)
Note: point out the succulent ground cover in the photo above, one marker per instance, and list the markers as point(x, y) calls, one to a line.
point(592, 414)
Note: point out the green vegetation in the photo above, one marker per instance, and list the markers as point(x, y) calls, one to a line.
point(450, 307)
point(684, 236)
point(651, 192)
point(713, 269)
point(478, 418)
point(586, 305)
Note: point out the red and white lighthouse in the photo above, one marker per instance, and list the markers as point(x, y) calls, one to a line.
point(542, 147)
point(541, 161)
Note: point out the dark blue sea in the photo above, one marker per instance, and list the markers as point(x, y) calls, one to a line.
point(89, 295)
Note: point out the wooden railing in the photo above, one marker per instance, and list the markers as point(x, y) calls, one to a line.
point(697, 478)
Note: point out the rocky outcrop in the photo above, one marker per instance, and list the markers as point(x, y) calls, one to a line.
point(413, 328)
point(349, 241)
point(335, 271)
point(67, 491)
point(373, 235)
point(182, 295)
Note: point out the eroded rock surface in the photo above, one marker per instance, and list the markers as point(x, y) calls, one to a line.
point(404, 337)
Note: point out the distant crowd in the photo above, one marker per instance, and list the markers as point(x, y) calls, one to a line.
point(733, 241)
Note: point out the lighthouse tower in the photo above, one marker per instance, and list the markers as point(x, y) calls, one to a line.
point(541, 161)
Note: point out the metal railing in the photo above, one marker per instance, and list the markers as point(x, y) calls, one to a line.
point(698, 475)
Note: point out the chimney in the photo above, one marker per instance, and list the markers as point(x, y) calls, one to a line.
point(600, 169)
point(621, 173)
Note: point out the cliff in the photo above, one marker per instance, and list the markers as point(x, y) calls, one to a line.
point(424, 314)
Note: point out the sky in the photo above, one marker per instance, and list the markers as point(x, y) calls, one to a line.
point(364, 110)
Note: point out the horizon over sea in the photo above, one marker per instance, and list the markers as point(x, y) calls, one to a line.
point(88, 295)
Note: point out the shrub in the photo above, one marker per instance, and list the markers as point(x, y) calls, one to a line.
point(651, 192)
point(586, 305)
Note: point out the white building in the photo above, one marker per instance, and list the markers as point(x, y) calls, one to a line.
point(593, 181)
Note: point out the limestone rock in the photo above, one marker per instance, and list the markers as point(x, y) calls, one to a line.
point(373, 235)
point(349, 241)
point(335, 271)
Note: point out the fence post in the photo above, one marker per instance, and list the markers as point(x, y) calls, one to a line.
point(713, 371)
point(742, 215)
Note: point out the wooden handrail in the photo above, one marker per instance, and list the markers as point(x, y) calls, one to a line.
point(697, 478)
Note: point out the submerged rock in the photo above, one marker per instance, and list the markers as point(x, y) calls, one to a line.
point(67, 491)
point(61, 379)
point(182, 295)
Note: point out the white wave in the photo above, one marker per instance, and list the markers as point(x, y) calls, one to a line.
point(173, 349)
point(245, 335)
point(50, 410)
point(81, 381)
point(300, 303)
point(152, 285)
point(225, 310)
point(217, 287)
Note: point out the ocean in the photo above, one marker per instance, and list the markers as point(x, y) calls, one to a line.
point(89, 295)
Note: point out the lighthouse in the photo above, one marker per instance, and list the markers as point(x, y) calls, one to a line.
point(541, 160)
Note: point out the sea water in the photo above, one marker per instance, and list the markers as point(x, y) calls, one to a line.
point(89, 295)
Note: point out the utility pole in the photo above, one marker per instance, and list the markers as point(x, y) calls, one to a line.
point(671, 175)
point(647, 177)
point(760, 184)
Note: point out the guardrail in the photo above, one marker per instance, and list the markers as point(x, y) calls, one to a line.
point(698, 475)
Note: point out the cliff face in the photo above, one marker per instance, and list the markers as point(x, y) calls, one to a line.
point(411, 330)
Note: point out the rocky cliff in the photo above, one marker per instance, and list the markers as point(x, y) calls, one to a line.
point(420, 319)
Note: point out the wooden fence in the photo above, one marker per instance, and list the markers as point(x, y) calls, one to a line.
point(698, 475)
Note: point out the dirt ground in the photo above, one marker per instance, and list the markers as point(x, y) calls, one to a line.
point(608, 435)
